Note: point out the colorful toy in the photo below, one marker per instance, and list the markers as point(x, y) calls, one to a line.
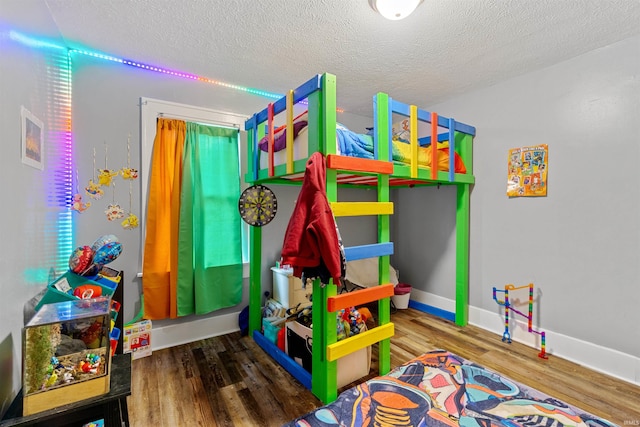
point(87, 291)
point(506, 336)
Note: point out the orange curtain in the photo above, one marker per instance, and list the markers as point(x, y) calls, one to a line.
point(159, 266)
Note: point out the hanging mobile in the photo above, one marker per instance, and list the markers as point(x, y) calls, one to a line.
point(93, 190)
point(105, 177)
point(114, 211)
point(77, 204)
point(131, 221)
point(128, 172)
point(257, 205)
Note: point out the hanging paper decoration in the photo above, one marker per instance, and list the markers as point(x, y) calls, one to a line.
point(128, 172)
point(130, 222)
point(114, 211)
point(93, 190)
point(77, 204)
point(105, 176)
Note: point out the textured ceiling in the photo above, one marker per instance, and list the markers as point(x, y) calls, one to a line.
point(445, 48)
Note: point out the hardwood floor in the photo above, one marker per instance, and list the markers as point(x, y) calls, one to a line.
point(230, 381)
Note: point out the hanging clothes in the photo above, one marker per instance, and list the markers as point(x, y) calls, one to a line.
point(311, 243)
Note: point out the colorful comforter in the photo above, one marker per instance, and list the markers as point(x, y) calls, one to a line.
point(361, 145)
point(442, 389)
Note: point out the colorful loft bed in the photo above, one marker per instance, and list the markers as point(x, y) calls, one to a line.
point(387, 161)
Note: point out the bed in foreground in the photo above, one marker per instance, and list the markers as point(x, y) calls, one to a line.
point(440, 388)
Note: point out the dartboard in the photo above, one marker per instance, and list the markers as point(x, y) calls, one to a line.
point(257, 205)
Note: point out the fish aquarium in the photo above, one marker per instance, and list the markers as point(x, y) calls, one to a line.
point(66, 353)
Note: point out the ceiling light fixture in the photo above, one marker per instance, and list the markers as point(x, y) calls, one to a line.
point(394, 9)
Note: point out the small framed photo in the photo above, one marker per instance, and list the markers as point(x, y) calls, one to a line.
point(32, 140)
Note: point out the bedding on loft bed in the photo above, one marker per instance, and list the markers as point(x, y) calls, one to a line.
point(352, 144)
point(443, 389)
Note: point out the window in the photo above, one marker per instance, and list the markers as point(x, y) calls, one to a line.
point(150, 111)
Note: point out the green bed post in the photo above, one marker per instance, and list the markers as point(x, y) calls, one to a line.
point(255, 281)
point(384, 309)
point(255, 246)
point(324, 378)
point(465, 150)
point(462, 255)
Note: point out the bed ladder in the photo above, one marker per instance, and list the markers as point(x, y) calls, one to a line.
point(324, 379)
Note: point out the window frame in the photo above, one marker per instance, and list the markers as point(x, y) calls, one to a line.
point(153, 109)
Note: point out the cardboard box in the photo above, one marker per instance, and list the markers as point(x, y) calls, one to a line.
point(288, 289)
point(351, 367)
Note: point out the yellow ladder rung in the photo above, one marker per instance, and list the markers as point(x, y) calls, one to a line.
point(362, 340)
point(361, 208)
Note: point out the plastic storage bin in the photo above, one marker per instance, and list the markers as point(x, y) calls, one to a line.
point(401, 295)
point(270, 331)
point(351, 367)
point(72, 281)
point(288, 290)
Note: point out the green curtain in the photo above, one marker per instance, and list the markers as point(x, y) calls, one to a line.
point(210, 236)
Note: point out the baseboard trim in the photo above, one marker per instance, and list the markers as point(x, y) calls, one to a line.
point(619, 365)
point(425, 308)
point(166, 336)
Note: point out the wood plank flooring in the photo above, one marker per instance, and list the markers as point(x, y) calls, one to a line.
point(230, 381)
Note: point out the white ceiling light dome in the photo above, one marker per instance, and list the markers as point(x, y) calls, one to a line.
point(395, 9)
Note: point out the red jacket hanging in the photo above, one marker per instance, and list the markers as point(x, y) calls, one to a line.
point(311, 243)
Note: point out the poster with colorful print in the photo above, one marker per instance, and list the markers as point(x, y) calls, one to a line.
point(527, 171)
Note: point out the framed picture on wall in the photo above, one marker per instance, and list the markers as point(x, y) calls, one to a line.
point(32, 140)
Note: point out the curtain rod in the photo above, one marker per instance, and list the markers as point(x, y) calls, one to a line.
point(200, 121)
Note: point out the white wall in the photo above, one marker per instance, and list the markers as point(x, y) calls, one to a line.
point(580, 245)
point(34, 204)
